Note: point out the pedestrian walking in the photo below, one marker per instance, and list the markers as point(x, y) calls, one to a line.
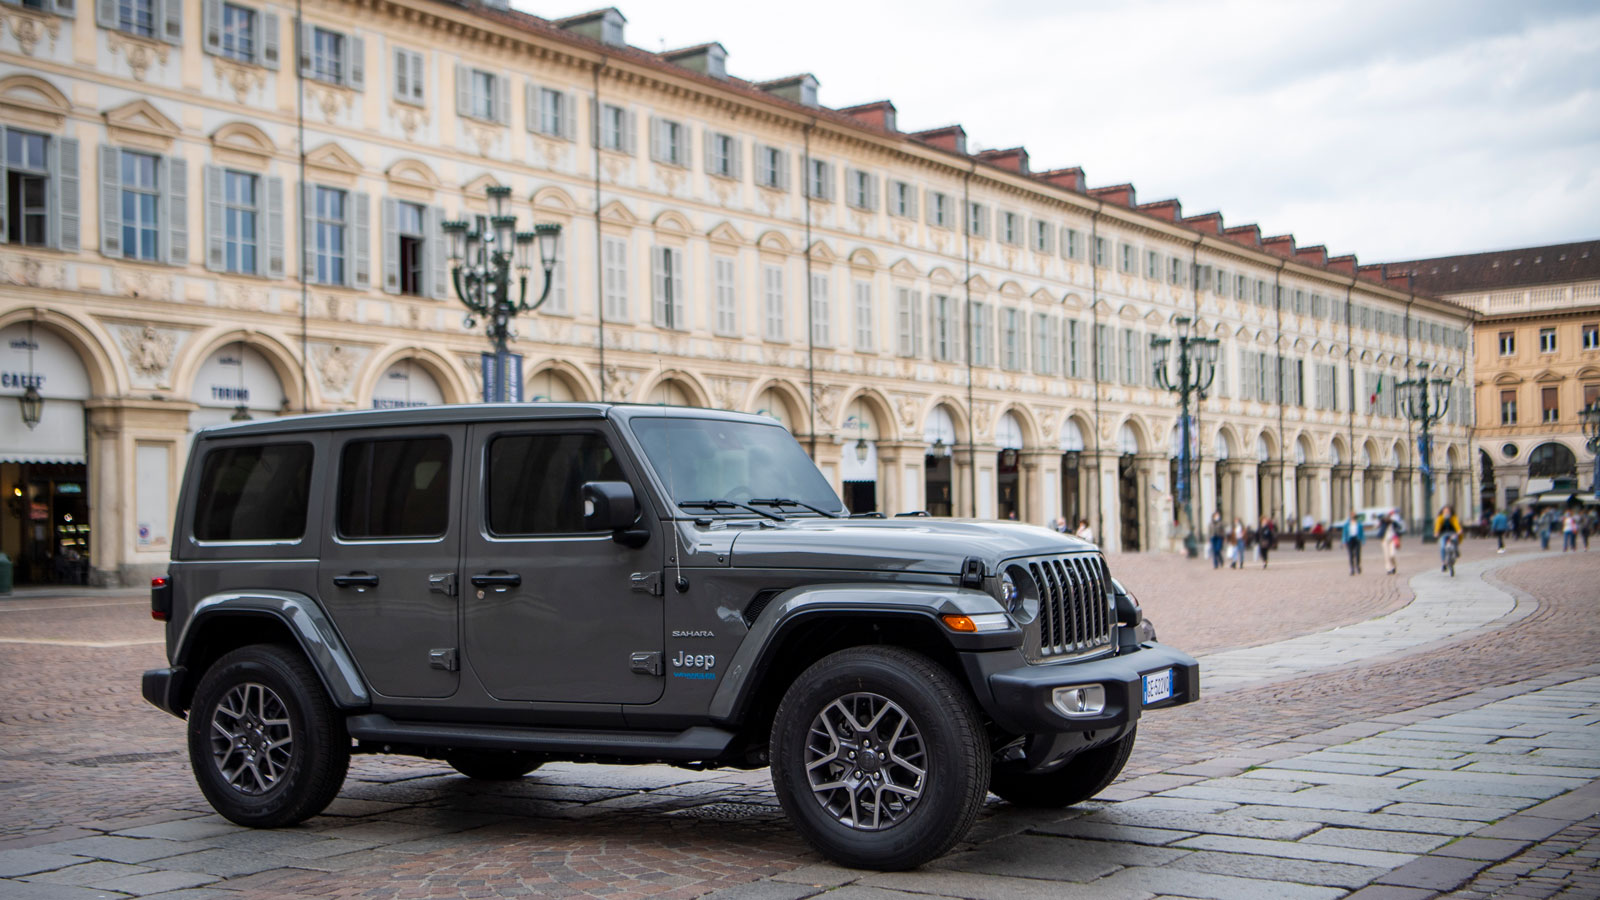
point(1354, 534)
point(1546, 524)
point(1219, 533)
point(1569, 531)
point(1585, 526)
point(1500, 524)
point(1447, 528)
point(1060, 525)
point(1389, 540)
point(1084, 532)
point(1266, 538)
point(1239, 540)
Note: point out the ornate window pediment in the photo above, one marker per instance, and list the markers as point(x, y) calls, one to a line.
point(140, 123)
point(332, 161)
point(244, 142)
point(903, 268)
point(30, 100)
point(725, 233)
point(617, 211)
point(672, 220)
point(821, 252)
point(413, 173)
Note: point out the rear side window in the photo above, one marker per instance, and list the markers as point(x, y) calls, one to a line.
point(396, 488)
point(535, 481)
point(256, 493)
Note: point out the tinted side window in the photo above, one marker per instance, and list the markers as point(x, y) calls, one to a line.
point(397, 488)
point(534, 481)
point(254, 493)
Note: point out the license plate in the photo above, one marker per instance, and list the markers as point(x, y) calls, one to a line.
point(1157, 686)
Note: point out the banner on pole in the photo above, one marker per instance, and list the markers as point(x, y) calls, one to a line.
point(502, 377)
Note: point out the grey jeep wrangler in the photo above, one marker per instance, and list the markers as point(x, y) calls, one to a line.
point(499, 586)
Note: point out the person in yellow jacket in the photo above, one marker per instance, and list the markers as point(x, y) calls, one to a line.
point(1447, 525)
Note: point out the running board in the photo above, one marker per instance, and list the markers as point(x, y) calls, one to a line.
point(690, 745)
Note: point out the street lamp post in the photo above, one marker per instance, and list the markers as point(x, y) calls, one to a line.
point(1591, 433)
point(1196, 359)
point(1425, 401)
point(482, 254)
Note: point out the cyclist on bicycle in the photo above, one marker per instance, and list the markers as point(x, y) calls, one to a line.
point(1447, 528)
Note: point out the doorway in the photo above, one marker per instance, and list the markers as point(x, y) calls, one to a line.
point(47, 522)
point(1071, 492)
point(861, 496)
point(1128, 494)
point(937, 484)
point(1007, 503)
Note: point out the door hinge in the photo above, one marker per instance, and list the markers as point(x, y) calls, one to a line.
point(646, 662)
point(443, 583)
point(443, 658)
point(646, 583)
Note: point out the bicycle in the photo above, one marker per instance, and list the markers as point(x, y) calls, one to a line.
point(1451, 551)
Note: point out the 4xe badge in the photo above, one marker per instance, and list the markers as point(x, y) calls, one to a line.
point(693, 665)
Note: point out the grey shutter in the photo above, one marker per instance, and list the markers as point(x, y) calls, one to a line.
point(736, 158)
point(267, 47)
point(211, 26)
point(710, 161)
point(630, 129)
point(686, 152)
point(400, 83)
point(418, 94)
point(783, 170)
point(569, 116)
point(390, 247)
point(356, 69)
point(502, 99)
point(105, 13)
point(463, 91)
point(5, 236)
point(594, 122)
point(874, 189)
point(216, 213)
point(438, 265)
point(171, 21)
point(361, 239)
point(64, 178)
point(308, 232)
point(530, 102)
point(272, 228)
point(110, 202)
point(657, 145)
point(308, 39)
point(175, 209)
point(658, 287)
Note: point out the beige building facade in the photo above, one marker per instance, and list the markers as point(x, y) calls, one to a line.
point(214, 210)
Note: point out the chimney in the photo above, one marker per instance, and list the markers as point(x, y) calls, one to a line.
point(1281, 244)
point(1248, 235)
point(1013, 160)
point(1343, 264)
point(707, 59)
point(1210, 223)
point(1169, 210)
point(1120, 194)
point(1072, 179)
point(801, 89)
point(951, 137)
point(1314, 256)
point(604, 25)
point(879, 114)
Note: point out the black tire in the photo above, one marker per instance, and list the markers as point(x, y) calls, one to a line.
point(941, 731)
point(262, 694)
point(491, 765)
point(1085, 775)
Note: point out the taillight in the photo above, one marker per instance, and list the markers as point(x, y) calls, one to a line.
point(160, 598)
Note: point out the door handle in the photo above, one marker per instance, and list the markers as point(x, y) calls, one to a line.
point(355, 579)
point(497, 579)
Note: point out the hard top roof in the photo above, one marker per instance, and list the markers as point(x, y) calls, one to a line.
point(465, 413)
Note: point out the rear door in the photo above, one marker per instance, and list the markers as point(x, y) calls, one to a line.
point(390, 557)
point(553, 613)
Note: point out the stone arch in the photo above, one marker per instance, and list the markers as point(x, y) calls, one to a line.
point(1227, 443)
point(1398, 456)
point(1370, 454)
point(553, 199)
point(1073, 301)
point(791, 401)
point(877, 404)
point(1338, 451)
point(1067, 441)
point(446, 371)
point(775, 241)
point(34, 100)
point(1552, 459)
point(279, 354)
point(413, 172)
point(862, 258)
point(244, 139)
point(574, 378)
point(95, 348)
point(959, 419)
point(690, 387)
point(673, 221)
point(1026, 421)
point(1011, 290)
point(1132, 436)
point(1305, 449)
point(1266, 443)
point(942, 275)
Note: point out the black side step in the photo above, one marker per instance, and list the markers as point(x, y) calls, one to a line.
point(692, 744)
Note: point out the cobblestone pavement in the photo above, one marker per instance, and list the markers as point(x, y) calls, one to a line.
point(1465, 763)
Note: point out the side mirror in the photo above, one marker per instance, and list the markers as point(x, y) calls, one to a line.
point(611, 506)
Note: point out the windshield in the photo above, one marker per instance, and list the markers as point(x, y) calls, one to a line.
point(714, 459)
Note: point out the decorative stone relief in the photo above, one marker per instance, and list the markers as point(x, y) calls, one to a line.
point(410, 118)
point(138, 52)
point(482, 136)
point(240, 79)
point(982, 416)
point(551, 150)
point(614, 166)
point(140, 283)
point(620, 382)
point(28, 29)
point(31, 271)
point(242, 296)
point(908, 408)
point(148, 350)
point(726, 392)
point(331, 99)
point(825, 397)
point(336, 365)
point(1050, 421)
point(671, 177)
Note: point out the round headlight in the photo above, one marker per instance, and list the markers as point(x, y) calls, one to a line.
point(1020, 594)
point(1008, 590)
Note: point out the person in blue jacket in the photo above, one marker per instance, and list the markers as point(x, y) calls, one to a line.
point(1500, 524)
point(1354, 534)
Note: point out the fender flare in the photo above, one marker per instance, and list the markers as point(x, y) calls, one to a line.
point(305, 619)
point(799, 605)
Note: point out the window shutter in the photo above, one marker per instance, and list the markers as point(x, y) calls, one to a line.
point(657, 140)
point(211, 26)
point(171, 20)
point(308, 229)
point(658, 287)
point(357, 71)
point(463, 91)
point(401, 82)
point(4, 224)
point(418, 92)
point(216, 214)
point(105, 13)
point(438, 264)
point(630, 128)
point(530, 101)
point(272, 227)
point(308, 40)
point(736, 158)
point(64, 179)
point(680, 315)
point(267, 47)
point(710, 161)
point(175, 199)
point(911, 202)
point(874, 187)
point(569, 116)
point(391, 245)
point(360, 271)
point(783, 170)
point(502, 99)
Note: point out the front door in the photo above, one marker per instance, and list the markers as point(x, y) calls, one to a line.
point(553, 612)
point(390, 559)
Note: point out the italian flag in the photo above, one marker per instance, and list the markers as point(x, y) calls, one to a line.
point(1376, 392)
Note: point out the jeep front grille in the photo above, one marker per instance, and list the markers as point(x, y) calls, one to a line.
point(1075, 616)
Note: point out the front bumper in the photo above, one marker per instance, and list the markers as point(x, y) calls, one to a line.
point(1019, 697)
point(163, 689)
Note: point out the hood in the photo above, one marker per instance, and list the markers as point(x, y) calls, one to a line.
point(911, 544)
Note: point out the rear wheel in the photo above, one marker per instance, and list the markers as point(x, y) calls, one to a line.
point(267, 746)
point(490, 765)
point(1085, 775)
point(878, 757)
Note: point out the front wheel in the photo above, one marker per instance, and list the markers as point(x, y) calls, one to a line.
point(267, 746)
point(879, 758)
point(1083, 776)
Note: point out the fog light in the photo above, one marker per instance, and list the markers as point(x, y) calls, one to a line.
point(1080, 700)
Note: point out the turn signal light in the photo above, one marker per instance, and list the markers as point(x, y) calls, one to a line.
point(960, 623)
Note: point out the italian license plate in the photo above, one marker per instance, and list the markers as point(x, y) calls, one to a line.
point(1157, 686)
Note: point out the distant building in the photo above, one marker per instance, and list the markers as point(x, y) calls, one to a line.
point(1537, 343)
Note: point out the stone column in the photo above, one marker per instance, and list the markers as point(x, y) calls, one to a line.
point(1249, 508)
point(1206, 491)
point(1109, 528)
point(120, 481)
point(1152, 518)
point(1322, 490)
point(1040, 478)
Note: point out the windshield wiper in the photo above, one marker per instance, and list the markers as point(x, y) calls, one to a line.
point(785, 501)
point(715, 505)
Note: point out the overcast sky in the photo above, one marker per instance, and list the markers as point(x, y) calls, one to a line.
point(1394, 129)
